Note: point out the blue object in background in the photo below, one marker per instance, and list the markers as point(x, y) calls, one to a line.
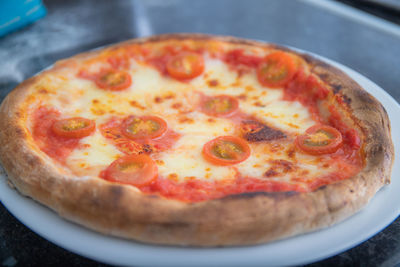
point(15, 14)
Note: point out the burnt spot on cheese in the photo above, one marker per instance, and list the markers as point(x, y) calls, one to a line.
point(147, 149)
point(242, 97)
point(173, 176)
point(280, 167)
point(213, 83)
point(291, 153)
point(170, 96)
point(158, 99)
point(176, 105)
point(271, 173)
point(275, 148)
point(135, 104)
point(43, 91)
point(284, 164)
point(254, 131)
point(185, 119)
point(160, 162)
point(259, 104)
point(304, 172)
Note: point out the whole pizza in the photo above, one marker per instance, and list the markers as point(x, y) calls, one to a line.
point(189, 139)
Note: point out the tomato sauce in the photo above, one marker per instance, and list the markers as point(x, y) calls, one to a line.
point(160, 61)
point(238, 57)
point(55, 146)
point(196, 190)
point(350, 136)
point(307, 90)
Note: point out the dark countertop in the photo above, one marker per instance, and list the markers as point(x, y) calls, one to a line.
point(75, 26)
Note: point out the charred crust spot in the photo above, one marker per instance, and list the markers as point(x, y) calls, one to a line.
point(116, 193)
point(255, 131)
point(323, 76)
point(152, 196)
point(346, 99)
point(274, 195)
point(309, 59)
point(377, 149)
point(173, 176)
point(279, 47)
point(19, 132)
point(170, 225)
point(33, 161)
point(322, 187)
point(351, 191)
point(336, 88)
point(18, 114)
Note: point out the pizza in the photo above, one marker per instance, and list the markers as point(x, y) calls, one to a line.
point(200, 140)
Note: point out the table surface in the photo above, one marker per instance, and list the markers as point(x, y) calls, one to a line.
point(360, 41)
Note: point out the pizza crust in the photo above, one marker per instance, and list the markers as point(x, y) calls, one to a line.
point(242, 219)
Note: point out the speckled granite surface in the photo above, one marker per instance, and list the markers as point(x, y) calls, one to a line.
point(75, 26)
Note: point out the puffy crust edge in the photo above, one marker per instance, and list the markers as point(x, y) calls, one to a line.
point(250, 218)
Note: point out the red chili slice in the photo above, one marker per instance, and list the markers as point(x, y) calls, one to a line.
point(220, 106)
point(145, 127)
point(276, 69)
point(226, 150)
point(185, 65)
point(76, 127)
point(320, 139)
point(114, 80)
point(137, 170)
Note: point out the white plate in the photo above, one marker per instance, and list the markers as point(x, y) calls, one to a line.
point(293, 251)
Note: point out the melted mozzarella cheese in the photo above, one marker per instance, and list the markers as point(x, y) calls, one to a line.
point(264, 103)
point(185, 160)
point(152, 93)
point(95, 153)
